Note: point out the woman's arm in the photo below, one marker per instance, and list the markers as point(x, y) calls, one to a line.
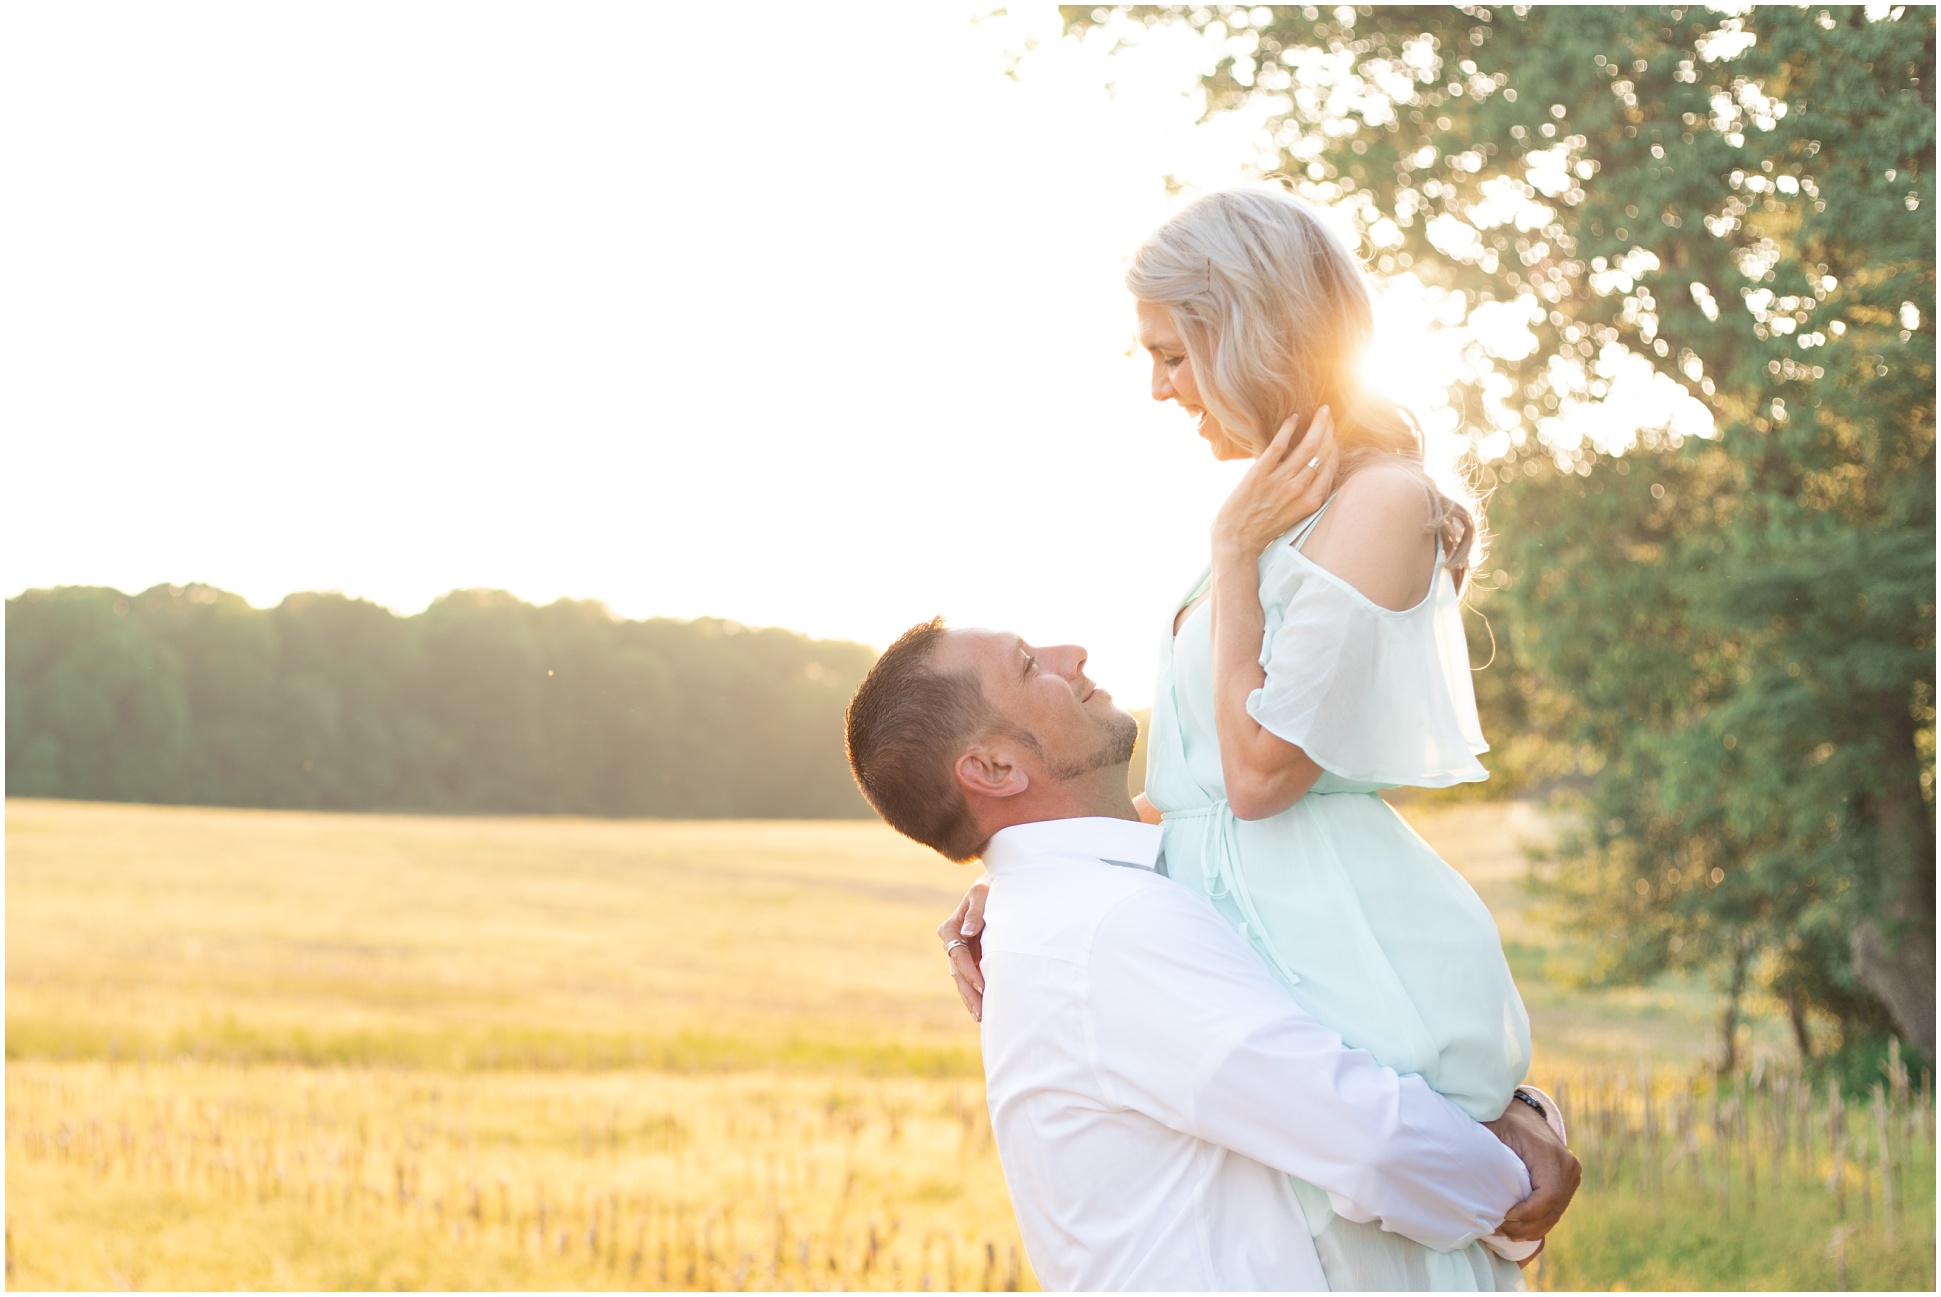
point(1375, 538)
point(1264, 774)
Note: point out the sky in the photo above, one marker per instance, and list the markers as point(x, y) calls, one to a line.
point(805, 317)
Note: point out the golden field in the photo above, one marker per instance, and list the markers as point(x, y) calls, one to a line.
point(284, 1050)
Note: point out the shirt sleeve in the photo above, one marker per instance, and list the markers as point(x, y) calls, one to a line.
point(1191, 1029)
point(1371, 695)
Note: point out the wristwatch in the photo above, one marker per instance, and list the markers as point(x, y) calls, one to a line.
point(1527, 1097)
point(1545, 1107)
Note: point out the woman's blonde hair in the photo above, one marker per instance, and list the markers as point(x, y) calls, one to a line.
point(1275, 316)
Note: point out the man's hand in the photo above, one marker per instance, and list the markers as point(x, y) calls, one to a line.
point(1554, 1171)
point(962, 935)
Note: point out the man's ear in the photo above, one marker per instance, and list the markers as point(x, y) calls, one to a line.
point(990, 770)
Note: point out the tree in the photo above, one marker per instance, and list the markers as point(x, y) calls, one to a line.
point(1739, 626)
point(481, 703)
point(93, 700)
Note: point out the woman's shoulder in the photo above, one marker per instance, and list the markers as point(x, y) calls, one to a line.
point(1376, 535)
point(1387, 495)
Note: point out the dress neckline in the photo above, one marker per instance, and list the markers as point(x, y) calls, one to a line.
point(1203, 586)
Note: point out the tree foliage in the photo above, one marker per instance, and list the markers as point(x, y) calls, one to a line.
point(1738, 627)
point(481, 703)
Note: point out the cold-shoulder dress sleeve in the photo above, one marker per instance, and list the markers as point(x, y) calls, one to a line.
point(1370, 694)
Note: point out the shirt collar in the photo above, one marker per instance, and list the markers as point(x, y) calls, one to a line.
point(1122, 842)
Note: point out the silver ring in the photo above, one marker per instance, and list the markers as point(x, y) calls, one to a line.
point(953, 945)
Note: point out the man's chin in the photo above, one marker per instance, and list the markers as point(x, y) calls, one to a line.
point(1125, 734)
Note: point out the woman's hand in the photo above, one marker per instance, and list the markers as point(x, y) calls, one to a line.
point(1264, 774)
point(1148, 813)
point(1286, 484)
point(961, 934)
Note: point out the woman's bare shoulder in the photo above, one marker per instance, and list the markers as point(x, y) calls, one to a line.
point(1376, 535)
point(1384, 495)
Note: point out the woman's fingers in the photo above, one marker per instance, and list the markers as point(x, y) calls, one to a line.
point(1306, 478)
point(1288, 481)
point(959, 935)
point(1317, 443)
point(1319, 429)
point(1273, 459)
point(973, 909)
point(953, 927)
point(1277, 457)
point(1277, 449)
point(969, 978)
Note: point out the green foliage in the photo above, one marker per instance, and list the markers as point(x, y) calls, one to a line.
point(1732, 635)
point(480, 703)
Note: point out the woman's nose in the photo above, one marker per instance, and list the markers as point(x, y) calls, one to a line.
point(1162, 386)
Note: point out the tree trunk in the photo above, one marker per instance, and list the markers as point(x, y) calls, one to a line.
point(1893, 953)
point(1902, 976)
point(1742, 947)
point(1796, 1014)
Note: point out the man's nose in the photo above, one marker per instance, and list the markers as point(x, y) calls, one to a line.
point(1068, 660)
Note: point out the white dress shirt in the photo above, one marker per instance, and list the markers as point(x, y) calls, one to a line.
point(1152, 1086)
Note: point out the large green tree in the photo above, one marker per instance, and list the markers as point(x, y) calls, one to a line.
point(1737, 627)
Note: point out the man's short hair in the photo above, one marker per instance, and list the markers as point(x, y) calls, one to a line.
point(906, 726)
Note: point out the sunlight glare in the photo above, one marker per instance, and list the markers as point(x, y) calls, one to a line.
point(1415, 359)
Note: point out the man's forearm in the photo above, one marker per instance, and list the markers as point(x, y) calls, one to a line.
point(1193, 1030)
point(1384, 1147)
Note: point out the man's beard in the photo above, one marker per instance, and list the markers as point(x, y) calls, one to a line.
point(1116, 751)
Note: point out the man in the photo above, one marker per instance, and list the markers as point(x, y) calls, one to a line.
point(1151, 1085)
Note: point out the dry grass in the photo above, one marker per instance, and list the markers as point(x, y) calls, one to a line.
point(1761, 1182)
point(211, 1175)
point(137, 931)
point(253, 1049)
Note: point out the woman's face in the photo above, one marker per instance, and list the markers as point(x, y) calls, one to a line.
point(1173, 380)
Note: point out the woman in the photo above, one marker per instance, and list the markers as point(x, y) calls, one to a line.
point(1313, 666)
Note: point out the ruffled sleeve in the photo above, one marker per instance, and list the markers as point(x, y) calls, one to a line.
point(1370, 694)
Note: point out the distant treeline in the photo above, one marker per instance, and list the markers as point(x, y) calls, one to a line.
point(481, 703)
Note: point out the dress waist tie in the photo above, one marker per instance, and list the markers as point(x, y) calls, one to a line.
point(1226, 881)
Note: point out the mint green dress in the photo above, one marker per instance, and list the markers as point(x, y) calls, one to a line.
point(1373, 933)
